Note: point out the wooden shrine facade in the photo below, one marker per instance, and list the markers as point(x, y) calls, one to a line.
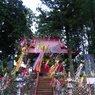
point(54, 45)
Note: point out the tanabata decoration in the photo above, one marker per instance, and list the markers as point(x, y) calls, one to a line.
point(19, 61)
point(2, 79)
point(25, 50)
point(27, 81)
point(51, 69)
point(46, 64)
point(6, 85)
point(36, 48)
point(81, 81)
point(28, 61)
point(13, 71)
point(9, 80)
point(58, 84)
point(24, 73)
point(55, 83)
point(22, 79)
point(52, 81)
point(38, 62)
point(44, 47)
point(54, 68)
point(51, 54)
point(79, 71)
point(5, 74)
point(60, 68)
point(23, 42)
point(25, 57)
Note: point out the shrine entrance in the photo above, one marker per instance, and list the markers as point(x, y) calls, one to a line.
point(53, 49)
point(47, 61)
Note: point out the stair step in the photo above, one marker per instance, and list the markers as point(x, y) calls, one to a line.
point(47, 87)
point(44, 87)
point(39, 85)
point(44, 93)
point(47, 84)
point(45, 80)
point(44, 90)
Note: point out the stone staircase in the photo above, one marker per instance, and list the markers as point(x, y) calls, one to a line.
point(44, 87)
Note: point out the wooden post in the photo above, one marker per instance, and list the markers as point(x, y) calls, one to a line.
point(36, 83)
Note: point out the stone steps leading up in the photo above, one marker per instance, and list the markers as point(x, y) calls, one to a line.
point(44, 87)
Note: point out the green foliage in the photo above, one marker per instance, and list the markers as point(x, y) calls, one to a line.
point(89, 16)
point(73, 18)
point(15, 23)
point(62, 13)
point(74, 14)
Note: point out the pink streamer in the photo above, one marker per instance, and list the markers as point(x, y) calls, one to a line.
point(23, 41)
point(2, 78)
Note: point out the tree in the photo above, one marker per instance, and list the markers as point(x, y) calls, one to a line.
point(15, 23)
point(91, 31)
point(65, 17)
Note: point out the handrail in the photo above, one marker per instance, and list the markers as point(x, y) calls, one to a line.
point(36, 83)
point(53, 90)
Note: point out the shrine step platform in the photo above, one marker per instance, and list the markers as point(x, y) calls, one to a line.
point(44, 87)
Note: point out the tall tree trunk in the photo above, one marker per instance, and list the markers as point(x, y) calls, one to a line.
point(69, 51)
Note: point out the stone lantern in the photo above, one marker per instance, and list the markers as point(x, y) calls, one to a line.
point(69, 84)
point(19, 81)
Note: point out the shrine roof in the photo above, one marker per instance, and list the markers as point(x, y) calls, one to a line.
point(54, 45)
